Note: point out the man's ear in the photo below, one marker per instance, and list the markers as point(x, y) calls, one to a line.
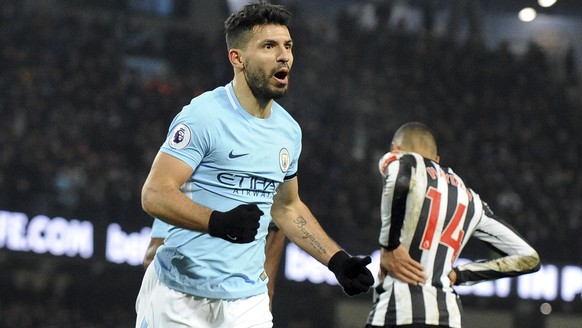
point(235, 58)
point(394, 146)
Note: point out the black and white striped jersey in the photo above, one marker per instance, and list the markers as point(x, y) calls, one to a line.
point(429, 210)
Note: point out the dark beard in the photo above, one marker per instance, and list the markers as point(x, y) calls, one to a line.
point(258, 82)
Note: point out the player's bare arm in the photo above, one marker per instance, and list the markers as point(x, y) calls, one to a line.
point(400, 265)
point(295, 219)
point(161, 196)
point(273, 249)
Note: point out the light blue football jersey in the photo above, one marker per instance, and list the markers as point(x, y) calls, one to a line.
point(159, 229)
point(237, 159)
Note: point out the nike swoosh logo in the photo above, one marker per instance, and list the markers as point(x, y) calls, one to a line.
point(231, 155)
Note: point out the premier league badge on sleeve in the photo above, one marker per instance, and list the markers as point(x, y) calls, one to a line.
point(180, 136)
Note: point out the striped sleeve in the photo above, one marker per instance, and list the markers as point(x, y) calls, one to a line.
point(394, 197)
point(517, 256)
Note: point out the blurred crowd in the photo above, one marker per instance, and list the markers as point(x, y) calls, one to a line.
point(79, 126)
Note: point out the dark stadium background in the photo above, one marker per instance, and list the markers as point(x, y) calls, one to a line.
point(88, 88)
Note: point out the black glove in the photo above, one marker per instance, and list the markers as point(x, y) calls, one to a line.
point(238, 225)
point(351, 272)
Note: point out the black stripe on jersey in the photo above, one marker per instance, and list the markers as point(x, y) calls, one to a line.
point(469, 216)
point(390, 318)
point(452, 201)
point(439, 265)
point(443, 309)
point(415, 251)
point(401, 188)
point(417, 300)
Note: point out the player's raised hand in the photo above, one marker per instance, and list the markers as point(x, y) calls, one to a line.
point(351, 272)
point(400, 265)
point(238, 225)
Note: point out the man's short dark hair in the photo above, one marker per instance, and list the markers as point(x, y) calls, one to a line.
point(239, 26)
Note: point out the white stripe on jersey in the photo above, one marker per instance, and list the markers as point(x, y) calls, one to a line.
point(403, 301)
point(431, 306)
point(453, 310)
point(377, 317)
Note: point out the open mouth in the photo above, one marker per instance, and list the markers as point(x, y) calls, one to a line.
point(281, 75)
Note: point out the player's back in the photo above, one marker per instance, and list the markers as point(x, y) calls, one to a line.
point(429, 210)
point(444, 211)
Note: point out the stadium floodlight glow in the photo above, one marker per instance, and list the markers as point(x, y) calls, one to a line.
point(546, 3)
point(527, 14)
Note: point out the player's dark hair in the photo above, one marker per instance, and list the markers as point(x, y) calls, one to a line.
point(239, 26)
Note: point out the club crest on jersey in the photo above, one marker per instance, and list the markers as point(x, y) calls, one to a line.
point(284, 160)
point(180, 136)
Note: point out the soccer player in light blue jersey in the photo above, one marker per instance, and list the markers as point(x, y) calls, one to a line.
point(226, 170)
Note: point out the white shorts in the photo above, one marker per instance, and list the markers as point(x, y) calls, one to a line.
point(158, 306)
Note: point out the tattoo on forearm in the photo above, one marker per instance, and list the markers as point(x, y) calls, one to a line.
point(302, 223)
